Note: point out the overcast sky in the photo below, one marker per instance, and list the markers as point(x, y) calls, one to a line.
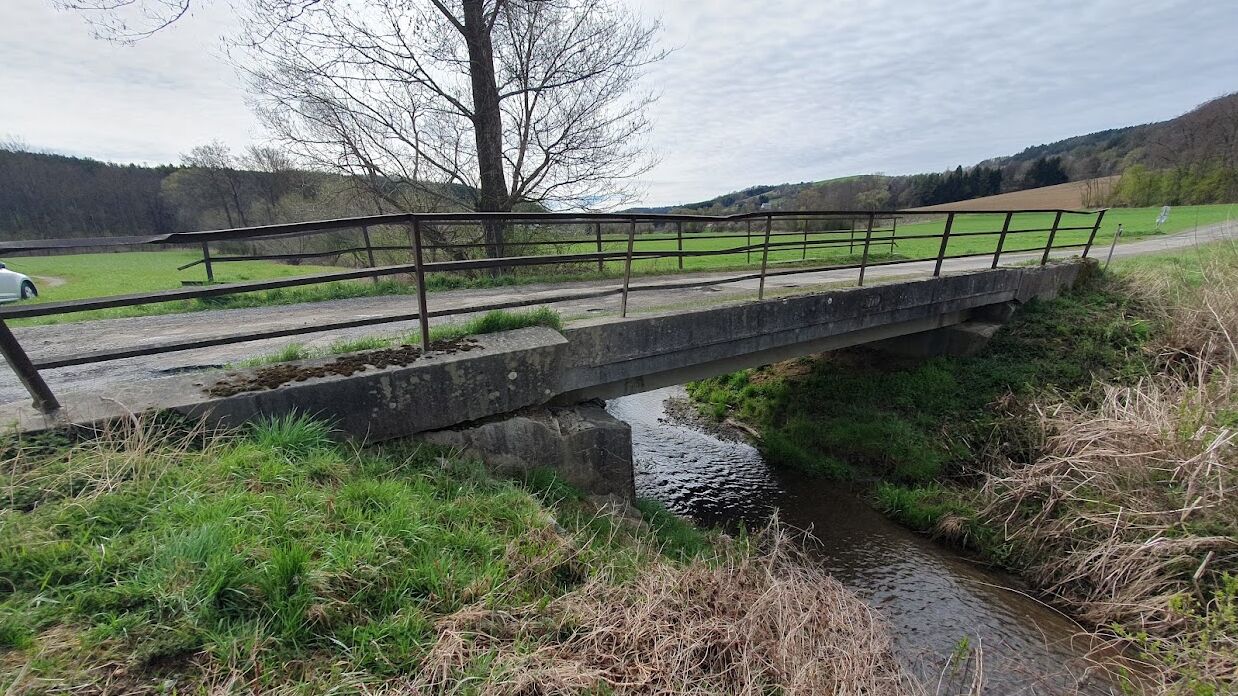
point(754, 93)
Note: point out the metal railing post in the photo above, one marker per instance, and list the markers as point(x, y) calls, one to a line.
point(1052, 233)
point(44, 399)
point(945, 239)
point(679, 241)
point(1095, 228)
point(851, 239)
point(627, 267)
point(369, 249)
point(868, 239)
point(423, 312)
point(1113, 245)
point(769, 224)
point(893, 233)
point(748, 242)
point(597, 232)
point(206, 260)
point(804, 253)
point(1001, 240)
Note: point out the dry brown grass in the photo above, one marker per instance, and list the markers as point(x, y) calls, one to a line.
point(745, 624)
point(1130, 514)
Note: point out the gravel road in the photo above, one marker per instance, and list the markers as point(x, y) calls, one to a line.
point(69, 339)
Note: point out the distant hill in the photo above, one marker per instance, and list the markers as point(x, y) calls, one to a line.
point(47, 195)
point(1089, 193)
point(1205, 136)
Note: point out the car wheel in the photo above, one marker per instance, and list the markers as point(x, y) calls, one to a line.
point(28, 291)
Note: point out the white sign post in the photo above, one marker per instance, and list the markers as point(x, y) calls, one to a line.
point(1162, 218)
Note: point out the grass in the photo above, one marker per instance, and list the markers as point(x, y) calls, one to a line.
point(1091, 447)
point(859, 414)
point(97, 275)
point(163, 559)
point(490, 322)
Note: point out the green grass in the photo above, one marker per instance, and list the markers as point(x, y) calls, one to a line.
point(865, 414)
point(98, 275)
point(490, 322)
point(277, 557)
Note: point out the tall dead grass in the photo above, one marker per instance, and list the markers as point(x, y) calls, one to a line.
point(1130, 514)
point(745, 624)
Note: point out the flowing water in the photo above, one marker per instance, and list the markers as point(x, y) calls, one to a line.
point(930, 596)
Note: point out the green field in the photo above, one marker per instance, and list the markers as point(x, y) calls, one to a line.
point(97, 275)
point(80, 276)
point(1136, 222)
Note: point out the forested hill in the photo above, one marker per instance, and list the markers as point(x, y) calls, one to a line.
point(51, 195)
point(1196, 154)
point(48, 195)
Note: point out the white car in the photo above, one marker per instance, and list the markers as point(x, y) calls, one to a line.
point(15, 286)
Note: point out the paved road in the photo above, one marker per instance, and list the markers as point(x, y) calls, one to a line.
point(69, 339)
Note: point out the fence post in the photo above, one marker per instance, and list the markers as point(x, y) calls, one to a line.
point(748, 242)
point(679, 240)
point(1095, 228)
point(627, 267)
point(851, 239)
point(868, 239)
point(945, 239)
point(769, 223)
point(597, 232)
point(423, 313)
point(1001, 240)
point(1052, 233)
point(44, 399)
point(1113, 245)
point(206, 260)
point(804, 253)
point(369, 249)
point(893, 232)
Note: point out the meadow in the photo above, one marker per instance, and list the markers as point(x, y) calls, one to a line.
point(70, 277)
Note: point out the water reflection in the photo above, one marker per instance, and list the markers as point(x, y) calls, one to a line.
point(930, 596)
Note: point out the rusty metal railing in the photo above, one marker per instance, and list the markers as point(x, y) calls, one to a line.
point(570, 244)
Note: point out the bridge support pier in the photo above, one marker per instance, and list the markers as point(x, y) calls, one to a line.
point(583, 444)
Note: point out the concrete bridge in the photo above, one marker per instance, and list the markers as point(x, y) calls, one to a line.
point(521, 398)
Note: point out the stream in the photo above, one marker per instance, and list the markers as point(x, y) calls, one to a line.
point(930, 596)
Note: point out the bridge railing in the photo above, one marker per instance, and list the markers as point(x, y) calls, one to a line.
point(444, 250)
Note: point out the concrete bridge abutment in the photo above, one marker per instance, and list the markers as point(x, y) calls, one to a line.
point(582, 444)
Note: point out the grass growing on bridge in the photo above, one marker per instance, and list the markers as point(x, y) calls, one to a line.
point(490, 322)
point(274, 560)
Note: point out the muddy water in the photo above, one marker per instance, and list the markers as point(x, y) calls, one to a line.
point(930, 596)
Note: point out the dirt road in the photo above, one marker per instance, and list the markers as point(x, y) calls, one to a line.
point(68, 339)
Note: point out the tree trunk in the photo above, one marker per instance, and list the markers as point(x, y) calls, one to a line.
point(487, 123)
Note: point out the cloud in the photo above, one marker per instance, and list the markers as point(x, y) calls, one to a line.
point(784, 90)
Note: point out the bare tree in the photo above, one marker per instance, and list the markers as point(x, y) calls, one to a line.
point(497, 102)
point(277, 176)
point(128, 21)
point(213, 164)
